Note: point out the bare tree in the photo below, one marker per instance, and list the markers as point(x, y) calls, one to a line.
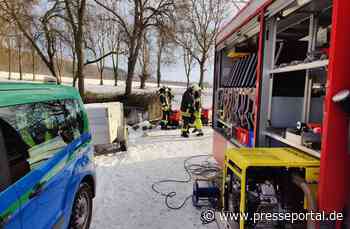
point(43, 29)
point(188, 63)
point(202, 18)
point(140, 15)
point(74, 67)
point(165, 47)
point(115, 44)
point(60, 60)
point(144, 61)
point(70, 51)
point(101, 64)
point(97, 40)
point(188, 42)
point(115, 39)
point(76, 17)
point(9, 44)
point(19, 46)
point(6, 38)
point(40, 30)
point(34, 63)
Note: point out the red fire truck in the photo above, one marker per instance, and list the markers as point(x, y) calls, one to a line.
point(278, 66)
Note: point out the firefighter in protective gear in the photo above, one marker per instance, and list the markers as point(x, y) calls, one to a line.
point(170, 97)
point(166, 107)
point(187, 111)
point(198, 125)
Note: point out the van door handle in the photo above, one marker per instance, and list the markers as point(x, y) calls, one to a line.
point(37, 190)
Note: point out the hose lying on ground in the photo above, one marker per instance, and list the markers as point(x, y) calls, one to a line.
point(204, 170)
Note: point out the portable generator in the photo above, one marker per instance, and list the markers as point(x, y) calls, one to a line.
point(269, 180)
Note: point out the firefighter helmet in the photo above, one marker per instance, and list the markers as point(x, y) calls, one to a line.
point(195, 87)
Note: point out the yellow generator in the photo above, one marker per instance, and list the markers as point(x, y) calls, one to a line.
point(264, 186)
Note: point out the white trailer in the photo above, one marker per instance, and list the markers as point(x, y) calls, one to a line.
point(107, 124)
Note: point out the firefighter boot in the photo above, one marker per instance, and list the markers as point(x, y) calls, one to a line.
point(185, 134)
point(200, 133)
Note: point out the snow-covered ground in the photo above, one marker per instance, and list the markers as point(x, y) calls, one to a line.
point(125, 199)
point(93, 85)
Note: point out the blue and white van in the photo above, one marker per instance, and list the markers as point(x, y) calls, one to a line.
point(47, 174)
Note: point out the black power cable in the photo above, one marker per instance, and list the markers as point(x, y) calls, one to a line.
point(206, 169)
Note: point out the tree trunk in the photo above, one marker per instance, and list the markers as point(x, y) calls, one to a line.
point(80, 49)
point(115, 62)
point(159, 77)
point(135, 45)
point(116, 71)
point(101, 76)
point(73, 70)
point(80, 73)
point(20, 67)
point(202, 70)
point(10, 62)
point(59, 73)
point(134, 53)
point(20, 60)
point(59, 60)
point(75, 80)
point(159, 63)
point(130, 76)
point(143, 82)
point(58, 77)
point(33, 62)
point(188, 60)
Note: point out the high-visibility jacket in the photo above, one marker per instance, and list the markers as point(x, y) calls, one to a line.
point(197, 101)
point(164, 101)
point(198, 110)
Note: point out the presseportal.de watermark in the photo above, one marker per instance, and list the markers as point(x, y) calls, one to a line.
point(210, 215)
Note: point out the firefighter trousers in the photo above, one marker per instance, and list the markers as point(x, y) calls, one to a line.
point(186, 122)
point(198, 120)
point(165, 116)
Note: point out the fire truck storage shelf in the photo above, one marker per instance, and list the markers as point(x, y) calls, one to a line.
point(301, 49)
point(294, 47)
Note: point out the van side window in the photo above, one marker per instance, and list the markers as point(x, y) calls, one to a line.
point(34, 133)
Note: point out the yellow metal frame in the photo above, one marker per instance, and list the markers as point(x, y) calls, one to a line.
point(245, 158)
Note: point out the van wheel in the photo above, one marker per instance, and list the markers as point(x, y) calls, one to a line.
point(82, 208)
